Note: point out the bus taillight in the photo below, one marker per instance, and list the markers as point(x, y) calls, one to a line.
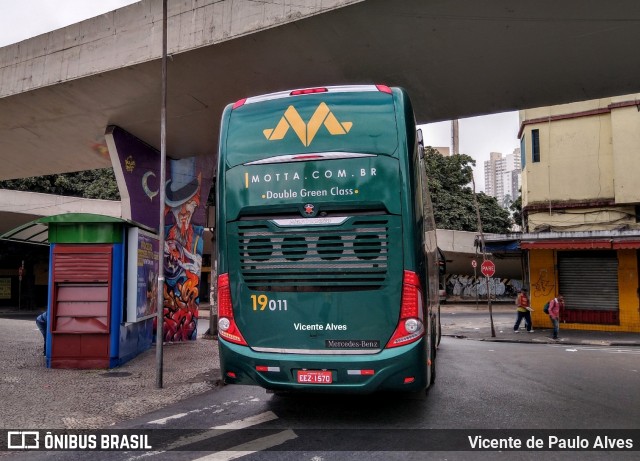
point(239, 103)
point(227, 327)
point(308, 91)
point(410, 326)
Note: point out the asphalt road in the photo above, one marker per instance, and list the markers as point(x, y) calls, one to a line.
point(522, 390)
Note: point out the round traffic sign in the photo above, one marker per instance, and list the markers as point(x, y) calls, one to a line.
point(474, 263)
point(488, 268)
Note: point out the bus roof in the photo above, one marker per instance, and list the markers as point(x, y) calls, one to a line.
point(358, 119)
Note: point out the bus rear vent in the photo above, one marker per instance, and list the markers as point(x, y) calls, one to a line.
point(353, 256)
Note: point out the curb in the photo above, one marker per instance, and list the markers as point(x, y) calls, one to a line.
point(568, 342)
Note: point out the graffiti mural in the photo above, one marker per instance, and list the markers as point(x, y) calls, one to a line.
point(137, 169)
point(542, 286)
point(465, 287)
point(182, 250)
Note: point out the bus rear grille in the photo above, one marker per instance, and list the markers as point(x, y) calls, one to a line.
point(348, 257)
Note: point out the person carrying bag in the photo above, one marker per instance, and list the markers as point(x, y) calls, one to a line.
point(554, 314)
point(524, 311)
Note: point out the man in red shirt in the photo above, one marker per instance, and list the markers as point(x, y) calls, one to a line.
point(554, 313)
point(523, 311)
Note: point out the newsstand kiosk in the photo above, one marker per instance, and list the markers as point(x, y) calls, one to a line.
point(102, 276)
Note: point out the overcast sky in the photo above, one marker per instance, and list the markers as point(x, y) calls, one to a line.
point(22, 19)
point(479, 136)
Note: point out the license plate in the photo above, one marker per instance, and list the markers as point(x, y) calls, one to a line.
point(314, 377)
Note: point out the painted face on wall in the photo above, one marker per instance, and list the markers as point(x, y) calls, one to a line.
point(183, 215)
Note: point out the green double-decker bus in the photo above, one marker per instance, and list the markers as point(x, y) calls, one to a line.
point(327, 257)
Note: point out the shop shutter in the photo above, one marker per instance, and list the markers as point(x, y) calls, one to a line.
point(589, 280)
point(81, 305)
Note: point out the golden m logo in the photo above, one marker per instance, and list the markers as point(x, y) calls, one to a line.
point(307, 131)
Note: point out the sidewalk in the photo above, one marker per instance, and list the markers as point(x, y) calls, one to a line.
point(36, 397)
point(466, 321)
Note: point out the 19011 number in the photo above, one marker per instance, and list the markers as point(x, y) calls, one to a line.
point(261, 302)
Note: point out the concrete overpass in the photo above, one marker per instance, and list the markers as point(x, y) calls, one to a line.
point(457, 58)
point(18, 208)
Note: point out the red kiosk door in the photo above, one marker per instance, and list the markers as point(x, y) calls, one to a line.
point(80, 316)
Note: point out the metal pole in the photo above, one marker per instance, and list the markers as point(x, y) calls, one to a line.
point(162, 192)
point(20, 273)
point(213, 292)
point(475, 274)
point(475, 278)
point(211, 289)
point(484, 254)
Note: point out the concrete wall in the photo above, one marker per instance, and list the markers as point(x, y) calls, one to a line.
point(133, 35)
point(36, 204)
point(459, 250)
point(592, 219)
point(579, 149)
point(468, 288)
point(456, 241)
point(589, 155)
point(463, 283)
point(625, 124)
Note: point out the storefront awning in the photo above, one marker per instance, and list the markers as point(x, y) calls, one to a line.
point(506, 246)
point(568, 244)
point(626, 245)
point(581, 244)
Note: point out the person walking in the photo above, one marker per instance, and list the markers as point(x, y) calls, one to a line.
point(41, 322)
point(524, 311)
point(554, 314)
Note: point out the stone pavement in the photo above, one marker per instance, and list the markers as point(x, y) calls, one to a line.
point(36, 397)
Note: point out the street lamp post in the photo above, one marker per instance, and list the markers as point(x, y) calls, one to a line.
point(162, 194)
point(484, 254)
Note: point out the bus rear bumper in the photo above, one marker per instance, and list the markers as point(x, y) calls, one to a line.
point(401, 369)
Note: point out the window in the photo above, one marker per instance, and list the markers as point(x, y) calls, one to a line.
point(523, 153)
point(535, 142)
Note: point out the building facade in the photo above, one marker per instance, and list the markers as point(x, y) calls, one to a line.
point(581, 208)
point(444, 151)
point(502, 177)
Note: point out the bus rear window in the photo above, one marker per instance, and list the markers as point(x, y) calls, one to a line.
point(361, 122)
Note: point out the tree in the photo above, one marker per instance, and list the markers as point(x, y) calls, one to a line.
point(97, 184)
point(449, 179)
point(516, 210)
